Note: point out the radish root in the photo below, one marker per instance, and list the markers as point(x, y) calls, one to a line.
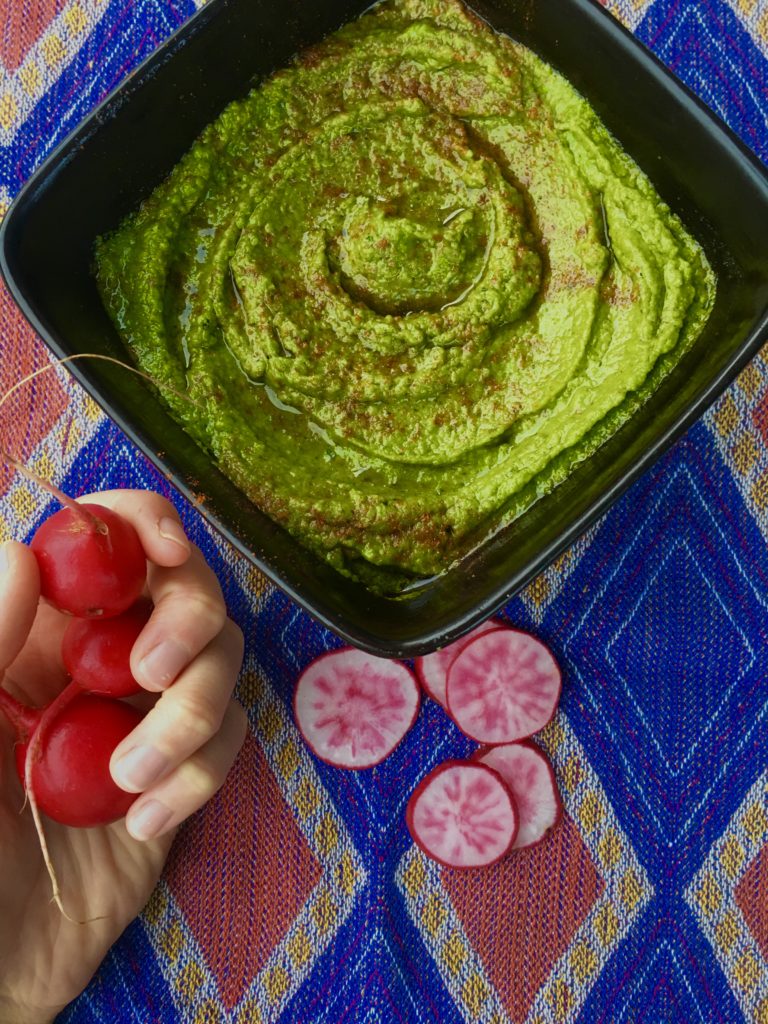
point(71, 359)
point(52, 489)
point(33, 749)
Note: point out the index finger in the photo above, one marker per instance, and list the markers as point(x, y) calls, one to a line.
point(189, 612)
point(155, 520)
point(19, 596)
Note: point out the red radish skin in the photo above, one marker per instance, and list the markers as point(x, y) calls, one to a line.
point(504, 686)
point(432, 669)
point(353, 709)
point(70, 743)
point(462, 815)
point(529, 775)
point(97, 652)
point(91, 561)
point(70, 771)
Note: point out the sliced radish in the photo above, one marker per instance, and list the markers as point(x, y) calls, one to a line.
point(463, 815)
point(503, 687)
point(353, 709)
point(528, 774)
point(432, 669)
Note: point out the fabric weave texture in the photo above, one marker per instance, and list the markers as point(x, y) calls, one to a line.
point(296, 896)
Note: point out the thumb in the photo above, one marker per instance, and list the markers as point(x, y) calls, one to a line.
point(19, 597)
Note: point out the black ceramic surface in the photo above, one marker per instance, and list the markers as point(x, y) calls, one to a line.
point(116, 158)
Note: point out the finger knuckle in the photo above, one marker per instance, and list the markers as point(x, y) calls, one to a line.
point(158, 505)
point(204, 605)
point(199, 778)
point(197, 715)
point(239, 718)
point(234, 634)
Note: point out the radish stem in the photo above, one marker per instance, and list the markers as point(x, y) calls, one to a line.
point(23, 719)
point(52, 489)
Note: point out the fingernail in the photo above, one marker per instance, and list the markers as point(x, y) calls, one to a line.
point(139, 768)
point(149, 820)
point(171, 529)
point(159, 668)
point(5, 562)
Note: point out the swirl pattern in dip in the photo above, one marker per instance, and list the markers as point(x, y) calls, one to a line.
point(407, 283)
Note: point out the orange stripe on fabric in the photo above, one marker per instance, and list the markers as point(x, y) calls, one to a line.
point(752, 899)
point(524, 915)
point(21, 25)
point(241, 872)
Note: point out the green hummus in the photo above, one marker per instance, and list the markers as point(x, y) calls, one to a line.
point(407, 284)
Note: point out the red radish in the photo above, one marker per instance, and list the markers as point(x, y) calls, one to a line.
point(530, 778)
point(70, 774)
point(503, 687)
point(97, 652)
point(462, 815)
point(353, 709)
point(432, 669)
point(63, 752)
point(62, 757)
point(91, 561)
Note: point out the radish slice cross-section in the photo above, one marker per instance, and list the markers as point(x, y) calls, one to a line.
point(463, 815)
point(531, 780)
point(432, 669)
point(503, 687)
point(353, 708)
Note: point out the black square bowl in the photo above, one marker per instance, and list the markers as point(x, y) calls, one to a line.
point(131, 142)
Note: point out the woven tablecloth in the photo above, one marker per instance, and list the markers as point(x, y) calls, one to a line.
point(296, 895)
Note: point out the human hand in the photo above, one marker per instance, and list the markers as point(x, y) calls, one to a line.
point(188, 658)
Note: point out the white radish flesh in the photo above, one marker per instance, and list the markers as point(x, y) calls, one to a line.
point(353, 708)
point(432, 669)
point(529, 776)
point(504, 686)
point(463, 815)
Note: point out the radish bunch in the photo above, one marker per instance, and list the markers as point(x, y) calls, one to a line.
point(499, 685)
point(93, 567)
